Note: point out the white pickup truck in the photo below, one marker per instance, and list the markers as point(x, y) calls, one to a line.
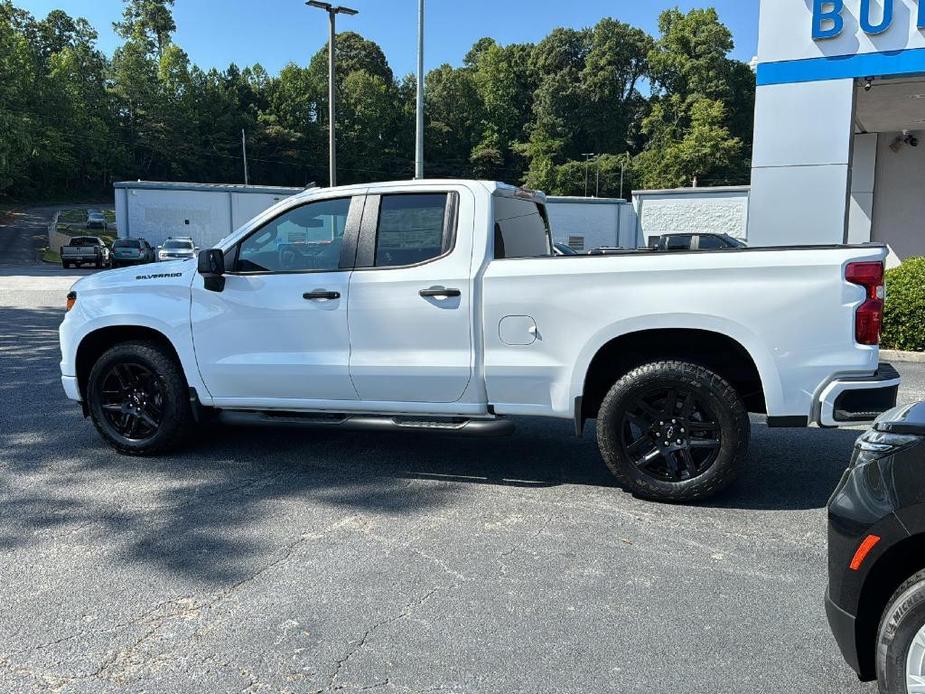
point(439, 306)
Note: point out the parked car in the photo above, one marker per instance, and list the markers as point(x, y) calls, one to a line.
point(85, 250)
point(96, 220)
point(131, 252)
point(177, 248)
point(876, 595)
point(606, 250)
point(438, 306)
point(563, 249)
point(694, 242)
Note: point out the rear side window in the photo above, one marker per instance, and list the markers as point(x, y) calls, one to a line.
point(521, 229)
point(412, 229)
point(709, 243)
point(679, 243)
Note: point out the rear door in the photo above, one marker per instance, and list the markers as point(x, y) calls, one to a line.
point(410, 311)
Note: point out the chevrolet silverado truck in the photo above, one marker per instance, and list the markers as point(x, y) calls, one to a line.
point(439, 306)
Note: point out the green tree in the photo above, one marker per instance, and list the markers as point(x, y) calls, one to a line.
point(699, 96)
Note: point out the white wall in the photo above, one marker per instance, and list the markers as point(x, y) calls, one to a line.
point(717, 211)
point(899, 202)
point(596, 220)
point(157, 214)
point(800, 163)
point(205, 215)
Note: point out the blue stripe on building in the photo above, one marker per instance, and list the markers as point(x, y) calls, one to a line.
point(905, 62)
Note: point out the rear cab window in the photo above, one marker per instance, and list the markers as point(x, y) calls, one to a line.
point(521, 229)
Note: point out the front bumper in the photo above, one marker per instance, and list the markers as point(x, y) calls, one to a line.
point(842, 625)
point(858, 400)
point(71, 389)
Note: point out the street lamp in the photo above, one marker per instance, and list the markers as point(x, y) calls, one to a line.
point(419, 129)
point(332, 11)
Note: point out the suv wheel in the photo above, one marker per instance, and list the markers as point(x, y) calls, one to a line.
point(901, 639)
point(673, 431)
point(139, 399)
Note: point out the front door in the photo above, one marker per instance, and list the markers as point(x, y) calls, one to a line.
point(410, 314)
point(277, 333)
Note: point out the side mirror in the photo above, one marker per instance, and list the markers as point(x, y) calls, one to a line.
point(212, 268)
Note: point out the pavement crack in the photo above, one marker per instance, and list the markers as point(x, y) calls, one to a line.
point(359, 644)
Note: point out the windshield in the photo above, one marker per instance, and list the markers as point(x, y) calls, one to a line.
point(85, 241)
point(179, 245)
point(127, 243)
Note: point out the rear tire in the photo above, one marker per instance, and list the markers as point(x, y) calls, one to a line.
point(673, 431)
point(901, 637)
point(139, 399)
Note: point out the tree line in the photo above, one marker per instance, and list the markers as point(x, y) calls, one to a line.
point(656, 111)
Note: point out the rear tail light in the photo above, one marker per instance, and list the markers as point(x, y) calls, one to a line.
point(869, 316)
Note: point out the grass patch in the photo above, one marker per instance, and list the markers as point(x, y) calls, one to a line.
point(50, 256)
point(73, 222)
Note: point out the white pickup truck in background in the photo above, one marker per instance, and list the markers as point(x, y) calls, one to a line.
point(439, 305)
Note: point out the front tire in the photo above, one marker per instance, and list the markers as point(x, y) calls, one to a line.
point(901, 639)
point(673, 431)
point(139, 399)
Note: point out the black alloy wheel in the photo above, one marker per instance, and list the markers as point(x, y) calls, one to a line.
point(670, 434)
point(132, 400)
point(139, 399)
point(673, 431)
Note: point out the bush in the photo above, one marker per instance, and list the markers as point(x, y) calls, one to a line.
point(904, 318)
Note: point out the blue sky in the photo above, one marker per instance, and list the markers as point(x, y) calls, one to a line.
point(275, 32)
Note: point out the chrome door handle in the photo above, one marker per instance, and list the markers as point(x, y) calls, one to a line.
point(440, 292)
point(320, 294)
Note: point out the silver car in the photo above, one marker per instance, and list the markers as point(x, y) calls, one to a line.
point(177, 248)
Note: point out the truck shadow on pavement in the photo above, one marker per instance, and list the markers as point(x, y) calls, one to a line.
point(203, 511)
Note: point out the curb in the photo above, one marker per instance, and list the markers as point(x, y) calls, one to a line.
point(908, 357)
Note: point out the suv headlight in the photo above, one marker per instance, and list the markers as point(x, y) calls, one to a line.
point(873, 445)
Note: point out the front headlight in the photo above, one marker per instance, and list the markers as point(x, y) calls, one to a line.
point(162, 254)
point(873, 445)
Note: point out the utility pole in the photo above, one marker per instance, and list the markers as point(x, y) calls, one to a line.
point(419, 138)
point(587, 157)
point(597, 180)
point(244, 149)
point(622, 174)
point(332, 16)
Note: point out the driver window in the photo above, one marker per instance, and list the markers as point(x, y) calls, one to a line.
point(304, 239)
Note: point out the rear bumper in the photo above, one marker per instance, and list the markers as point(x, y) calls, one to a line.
point(858, 400)
point(842, 625)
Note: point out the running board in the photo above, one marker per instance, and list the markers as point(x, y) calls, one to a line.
point(489, 427)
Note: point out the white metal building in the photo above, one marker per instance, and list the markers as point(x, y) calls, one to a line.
point(839, 152)
point(207, 212)
point(589, 223)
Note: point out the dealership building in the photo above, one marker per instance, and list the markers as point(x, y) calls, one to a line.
point(839, 145)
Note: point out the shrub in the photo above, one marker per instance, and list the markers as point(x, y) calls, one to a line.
point(904, 317)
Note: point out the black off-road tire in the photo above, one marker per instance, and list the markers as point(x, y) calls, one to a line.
point(901, 620)
point(708, 387)
point(176, 415)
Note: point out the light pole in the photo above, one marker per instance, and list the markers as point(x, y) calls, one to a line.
point(332, 16)
point(587, 157)
point(419, 136)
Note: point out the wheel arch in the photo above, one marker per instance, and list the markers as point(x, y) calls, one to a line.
point(716, 351)
point(898, 563)
point(94, 343)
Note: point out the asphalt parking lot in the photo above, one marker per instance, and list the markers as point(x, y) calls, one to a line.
point(268, 560)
